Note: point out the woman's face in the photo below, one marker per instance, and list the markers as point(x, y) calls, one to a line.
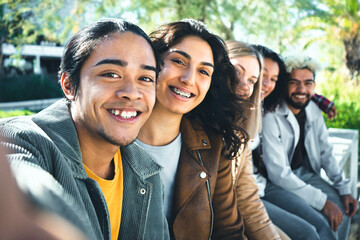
point(186, 76)
point(248, 69)
point(270, 77)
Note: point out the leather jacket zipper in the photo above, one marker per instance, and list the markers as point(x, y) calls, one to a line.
point(209, 196)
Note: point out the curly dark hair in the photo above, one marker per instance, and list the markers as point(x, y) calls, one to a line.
point(221, 109)
point(275, 97)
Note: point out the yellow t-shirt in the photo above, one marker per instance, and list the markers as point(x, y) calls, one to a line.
point(113, 193)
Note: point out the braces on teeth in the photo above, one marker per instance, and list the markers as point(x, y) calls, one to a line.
point(181, 93)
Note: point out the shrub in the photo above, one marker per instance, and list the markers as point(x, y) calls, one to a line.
point(345, 93)
point(4, 114)
point(29, 87)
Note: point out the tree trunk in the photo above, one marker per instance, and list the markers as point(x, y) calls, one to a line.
point(352, 50)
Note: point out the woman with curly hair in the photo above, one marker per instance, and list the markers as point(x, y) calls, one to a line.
point(192, 132)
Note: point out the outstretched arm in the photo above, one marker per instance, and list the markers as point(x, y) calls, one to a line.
point(325, 105)
point(17, 211)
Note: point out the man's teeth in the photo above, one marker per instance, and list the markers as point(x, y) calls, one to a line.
point(181, 93)
point(124, 114)
point(300, 96)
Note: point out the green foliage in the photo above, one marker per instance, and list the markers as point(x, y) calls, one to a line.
point(340, 88)
point(23, 21)
point(29, 87)
point(231, 19)
point(339, 24)
point(348, 116)
point(345, 94)
point(4, 114)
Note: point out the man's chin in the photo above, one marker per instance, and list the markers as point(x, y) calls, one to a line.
point(121, 141)
point(297, 105)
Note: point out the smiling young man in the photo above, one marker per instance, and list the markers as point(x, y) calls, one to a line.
point(63, 157)
point(296, 148)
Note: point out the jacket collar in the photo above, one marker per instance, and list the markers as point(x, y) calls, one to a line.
point(189, 167)
point(284, 110)
point(193, 135)
point(57, 123)
point(140, 162)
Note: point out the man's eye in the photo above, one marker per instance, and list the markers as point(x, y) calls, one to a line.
point(147, 79)
point(111, 75)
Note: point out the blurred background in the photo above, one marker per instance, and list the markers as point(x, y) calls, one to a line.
point(33, 33)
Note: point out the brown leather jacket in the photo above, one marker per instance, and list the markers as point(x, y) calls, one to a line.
point(258, 225)
point(194, 218)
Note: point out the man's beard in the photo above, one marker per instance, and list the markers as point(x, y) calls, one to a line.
point(296, 105)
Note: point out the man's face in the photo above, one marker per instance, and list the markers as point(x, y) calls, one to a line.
point(300, 88)
point(116, 91)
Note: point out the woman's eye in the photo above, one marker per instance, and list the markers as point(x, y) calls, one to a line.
point(178, 61)
point(111, 75)
point(251, 81)
point(274, 79)
point(204, 72)
point(147, 79)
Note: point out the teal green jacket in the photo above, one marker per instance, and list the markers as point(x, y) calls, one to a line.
point(46, 162)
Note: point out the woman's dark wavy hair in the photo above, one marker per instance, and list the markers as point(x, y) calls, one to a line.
point(220, 110)
point(83, 43)
point(274, 99)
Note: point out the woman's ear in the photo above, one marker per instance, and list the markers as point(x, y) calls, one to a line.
point(66, 86)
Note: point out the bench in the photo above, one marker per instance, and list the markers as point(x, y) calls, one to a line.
point(345, 148)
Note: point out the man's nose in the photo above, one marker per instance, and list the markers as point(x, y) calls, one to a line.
point(128, 89)
point(300, 87)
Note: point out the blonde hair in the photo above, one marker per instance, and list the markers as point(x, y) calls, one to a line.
point(294, 62)
point(251, 106)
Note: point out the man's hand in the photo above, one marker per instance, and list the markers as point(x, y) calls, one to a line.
point(350, 204)
point(16, 211)
point(333, 213)
point(332, 112)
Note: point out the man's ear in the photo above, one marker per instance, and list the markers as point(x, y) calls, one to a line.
point(66, 86)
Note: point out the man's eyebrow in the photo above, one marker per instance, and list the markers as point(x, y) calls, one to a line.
point(147, 67)
point(118, 62)
point(307, 80)
point(189, 57)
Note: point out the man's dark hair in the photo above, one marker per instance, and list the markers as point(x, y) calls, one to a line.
point(83, 43)
point(275, 97)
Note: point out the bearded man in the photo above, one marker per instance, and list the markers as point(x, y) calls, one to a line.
point(295, 149)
